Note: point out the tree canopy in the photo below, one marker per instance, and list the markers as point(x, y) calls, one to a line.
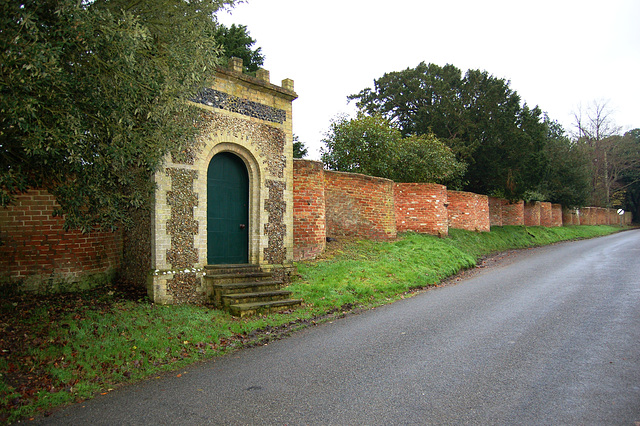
point(477, 115)
point(93, 97)
point(369, 144)
point(237, 42)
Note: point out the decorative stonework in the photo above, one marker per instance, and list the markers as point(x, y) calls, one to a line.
point(189, 153)
point(217, 99)
point(275, 229)
point(185, 288)
point(269, 141)
point(182, 227)
point(248, 117)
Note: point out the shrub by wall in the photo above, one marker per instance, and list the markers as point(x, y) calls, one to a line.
point(39, 255)
point(468, 211)
point(359, 206)
point(309, 224)
point(421, 207)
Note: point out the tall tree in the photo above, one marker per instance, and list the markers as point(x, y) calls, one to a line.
point(237, 42)
point(477, 115)
point(611, 154)
point(92, 97)
point(567, 176)
point(630, 178)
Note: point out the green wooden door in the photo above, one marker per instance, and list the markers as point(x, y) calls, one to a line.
point(227, 210)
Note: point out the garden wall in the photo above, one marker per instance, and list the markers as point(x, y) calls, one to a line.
point(556, 215)
point(512, 213)
point(468, 211)
point(545, 214)
point(359, 206)
point(421, 207)
point(532, 213)
point(39, 254)
point(309, 224)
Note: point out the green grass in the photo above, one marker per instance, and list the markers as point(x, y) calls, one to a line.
point(64, 349)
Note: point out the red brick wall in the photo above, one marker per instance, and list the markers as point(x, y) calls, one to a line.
point(569, 217)
point(588, 216)
point(36, 248)
point(512, 213)
point(421, 207)
point(545, 214)
point(495, 211)
point(556, 215)
point(468, 211)
point(309, 230)
point(532, 213)
point(359, 206)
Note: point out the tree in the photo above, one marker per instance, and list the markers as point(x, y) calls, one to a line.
point(477, 115)
point(237, 42)
point(630, 178)
point(612, 155)
point(567, 176)
point(372, 146)
point(424, 158)
point(364, 145)
point(299, 150)
point(93, 96)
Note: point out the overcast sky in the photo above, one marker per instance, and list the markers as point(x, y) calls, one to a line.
point(557, 54)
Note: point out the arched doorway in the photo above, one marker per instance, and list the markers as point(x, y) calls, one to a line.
point(227, 210)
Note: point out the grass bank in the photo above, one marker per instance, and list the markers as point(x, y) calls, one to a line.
point(67, 348)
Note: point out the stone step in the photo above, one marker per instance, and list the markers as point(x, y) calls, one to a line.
point(245, 290)
point(265, 296)
point(240, 277)
point(220, 290)
point(231, 269)
point(246, 309)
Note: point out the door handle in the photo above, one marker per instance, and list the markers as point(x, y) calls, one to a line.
point(242, 226)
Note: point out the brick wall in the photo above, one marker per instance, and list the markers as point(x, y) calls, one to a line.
point(38, 253)
point(556, 215)
point(421, 207)
point(495, 211)
point(512, 213)
point(309, 225)
point(468, 211)
point(359, 206)
point(588, 216)
point(532, 213)
point(545, 214)
point(570, 217)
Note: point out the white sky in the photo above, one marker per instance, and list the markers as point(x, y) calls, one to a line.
point(557, 54)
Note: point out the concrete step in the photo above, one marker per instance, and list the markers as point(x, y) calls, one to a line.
point(246, 309)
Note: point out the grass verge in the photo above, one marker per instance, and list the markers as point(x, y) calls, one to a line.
point(67, 348)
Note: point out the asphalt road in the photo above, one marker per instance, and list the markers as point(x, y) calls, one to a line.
point(547, 336)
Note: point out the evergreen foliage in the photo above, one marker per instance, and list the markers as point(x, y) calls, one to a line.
point(237, 42)
point(92, 97)
point(477, 115)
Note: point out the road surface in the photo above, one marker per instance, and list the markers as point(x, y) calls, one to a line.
point(549, 336)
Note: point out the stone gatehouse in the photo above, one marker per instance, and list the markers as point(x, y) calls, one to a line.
point(228, 199)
